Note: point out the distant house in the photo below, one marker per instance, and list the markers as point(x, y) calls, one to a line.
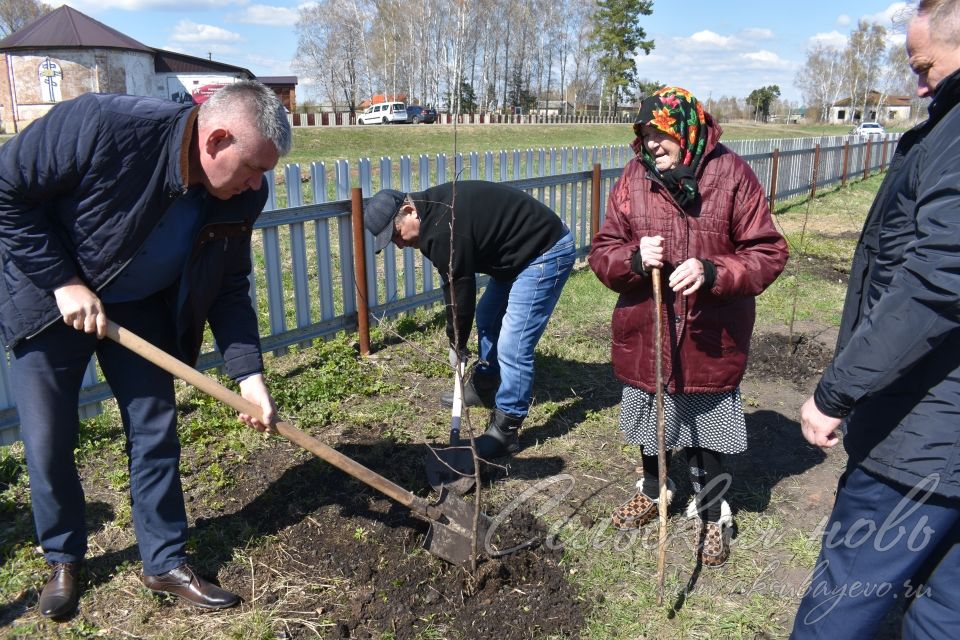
point(66, 53)
point(794, 116)
point(880, 108)
point(553, 108)
point(625, 112)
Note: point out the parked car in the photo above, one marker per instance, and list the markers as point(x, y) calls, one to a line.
point(383, 113)
point(417, 114)
point(867, 129)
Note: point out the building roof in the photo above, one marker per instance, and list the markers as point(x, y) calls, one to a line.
point(278, 80)
point(383, 97)
point(68, 28)
point(173, 62)
point(874, 97)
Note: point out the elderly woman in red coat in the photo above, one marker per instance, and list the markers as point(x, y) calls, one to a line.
point(688, 205)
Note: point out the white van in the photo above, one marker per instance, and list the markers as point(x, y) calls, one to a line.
point(383, 113)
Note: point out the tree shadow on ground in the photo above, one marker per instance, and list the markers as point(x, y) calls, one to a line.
point(580, 389)
point(591, 386)
point(777, 450)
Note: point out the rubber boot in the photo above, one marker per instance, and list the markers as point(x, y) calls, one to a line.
point(479, 390)
point(500, 439)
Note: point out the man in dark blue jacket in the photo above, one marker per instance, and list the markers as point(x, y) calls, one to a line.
point(140, 210)
point(893, 535)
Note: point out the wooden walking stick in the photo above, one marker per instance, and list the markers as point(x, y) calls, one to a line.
point(661, 434)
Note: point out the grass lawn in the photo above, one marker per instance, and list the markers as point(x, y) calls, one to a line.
point(338, 395)
point(328, 144)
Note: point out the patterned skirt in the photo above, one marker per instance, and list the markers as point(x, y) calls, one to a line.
point(711, 421)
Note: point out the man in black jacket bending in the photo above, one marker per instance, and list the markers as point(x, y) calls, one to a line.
point(140, 210)
point(471, 227)
point(894, 535)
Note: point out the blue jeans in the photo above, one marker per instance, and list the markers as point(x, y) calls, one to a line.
point(885, 544)
point(47, 374)
point(512, 315)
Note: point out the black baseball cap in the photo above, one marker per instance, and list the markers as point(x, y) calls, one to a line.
point(379, 214)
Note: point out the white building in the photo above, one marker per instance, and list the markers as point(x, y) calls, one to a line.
point(66, 53)
point(880, 108)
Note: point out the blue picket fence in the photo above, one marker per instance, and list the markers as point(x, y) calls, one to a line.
point(303, 283)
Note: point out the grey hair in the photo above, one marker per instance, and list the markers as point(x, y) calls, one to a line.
point(249, 98)
point(944, 17)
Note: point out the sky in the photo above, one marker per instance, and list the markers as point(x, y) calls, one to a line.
point(713, 48)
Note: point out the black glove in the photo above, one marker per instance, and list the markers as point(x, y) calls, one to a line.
point(636, 264)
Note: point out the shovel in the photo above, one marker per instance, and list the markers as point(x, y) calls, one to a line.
point(451, 519)
point(451, 469)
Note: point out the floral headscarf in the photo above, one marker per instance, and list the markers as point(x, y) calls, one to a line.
point(678, 114)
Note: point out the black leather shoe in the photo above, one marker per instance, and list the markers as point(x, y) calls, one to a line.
point(191, 588)
point(61, 594)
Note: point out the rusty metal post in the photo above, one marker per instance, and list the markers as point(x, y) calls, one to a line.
point(866, 161)
point(595, 203)
point(360, 269)
point(816, 170)
point(774, 170)
point(846, 162)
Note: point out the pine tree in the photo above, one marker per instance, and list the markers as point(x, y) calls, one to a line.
point(619, 37)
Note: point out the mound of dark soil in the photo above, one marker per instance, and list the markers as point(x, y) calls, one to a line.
point(348, 563)
point(775, 355)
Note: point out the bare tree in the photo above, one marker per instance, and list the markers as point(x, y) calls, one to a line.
point(822, 78)
point(863, 57)
point(437, 51)
point(584, 85)
point(331, 49)
point(16, 14)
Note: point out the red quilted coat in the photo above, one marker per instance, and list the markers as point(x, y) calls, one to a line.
point(706, 334)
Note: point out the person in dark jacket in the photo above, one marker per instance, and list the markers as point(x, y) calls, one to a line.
point(471, 227)
point(895, 381)
point(140, 210)
point(691, 207)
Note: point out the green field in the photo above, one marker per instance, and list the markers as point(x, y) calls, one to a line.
point(328, 144)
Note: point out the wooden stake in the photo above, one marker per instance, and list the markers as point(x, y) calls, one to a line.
point(661, 435)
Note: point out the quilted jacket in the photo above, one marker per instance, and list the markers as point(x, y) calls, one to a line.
point(706, 336)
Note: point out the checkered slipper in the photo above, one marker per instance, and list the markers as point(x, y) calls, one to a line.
point(712, 540)
point(638, 510)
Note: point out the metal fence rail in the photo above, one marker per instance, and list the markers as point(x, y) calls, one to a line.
point(303, 284)
point(345, 119)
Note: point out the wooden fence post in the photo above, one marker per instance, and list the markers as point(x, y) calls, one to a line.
point(360, 269)
point(866, 161)
point(816, 170)
point(774, 170)
point(883, 155)
point(595, 202)
point(846, 161)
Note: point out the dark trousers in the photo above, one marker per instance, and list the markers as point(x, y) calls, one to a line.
point(47, 373)
point(885, 544)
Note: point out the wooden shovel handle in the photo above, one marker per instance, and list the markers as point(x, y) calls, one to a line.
point(661, 433)
point(211, 387)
